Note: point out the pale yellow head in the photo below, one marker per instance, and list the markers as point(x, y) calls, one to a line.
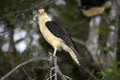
point(41, 11)
point(42, 15)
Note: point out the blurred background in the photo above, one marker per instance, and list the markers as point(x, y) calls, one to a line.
point(97, 40)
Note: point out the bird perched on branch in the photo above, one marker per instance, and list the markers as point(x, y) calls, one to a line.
point(58, 37)
point(94, 7)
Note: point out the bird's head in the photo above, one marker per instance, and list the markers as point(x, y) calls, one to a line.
point(41, 11)
point(42, 15)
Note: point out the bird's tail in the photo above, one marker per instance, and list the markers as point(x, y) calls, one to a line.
point(75, 56)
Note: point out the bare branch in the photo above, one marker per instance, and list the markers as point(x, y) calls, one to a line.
point(22, 64)
point(78, 41)
point(18, 12)
point(56, 71)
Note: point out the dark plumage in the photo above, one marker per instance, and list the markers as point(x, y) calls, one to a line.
point(87, 4)
point(58, 38)
point(94, 7)
point(60, 32)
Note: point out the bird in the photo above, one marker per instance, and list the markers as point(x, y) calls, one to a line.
point(58, 37)
point(94, 7)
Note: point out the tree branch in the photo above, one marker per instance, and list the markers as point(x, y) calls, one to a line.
point(79, 41)
point(55, 70)
point(27, 10)
point(22, 64)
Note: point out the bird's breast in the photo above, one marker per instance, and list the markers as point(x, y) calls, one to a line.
point(54, 41)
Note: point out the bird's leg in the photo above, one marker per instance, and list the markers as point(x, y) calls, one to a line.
point(55, 50)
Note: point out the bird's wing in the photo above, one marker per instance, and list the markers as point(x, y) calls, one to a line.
point(60, 32)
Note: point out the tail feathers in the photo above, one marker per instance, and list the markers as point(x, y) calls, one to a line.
point(82, 68)
point(75, 56)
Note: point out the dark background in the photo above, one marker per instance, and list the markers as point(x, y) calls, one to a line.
point(96, 38)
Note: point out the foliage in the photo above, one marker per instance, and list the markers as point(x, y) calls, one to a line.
point(112, 73)
point(24, 33)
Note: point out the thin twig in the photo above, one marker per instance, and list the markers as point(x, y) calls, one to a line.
point(56, 68)
point(18, 12)
point(22, 64)
point(92, 76)
point(63, 76)
point(26, 74)
point(56, 71)
point(51, 73)
point(78, 41)
point(51, 77)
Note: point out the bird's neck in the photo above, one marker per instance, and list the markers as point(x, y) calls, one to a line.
point(44, 18)
point(42, 21)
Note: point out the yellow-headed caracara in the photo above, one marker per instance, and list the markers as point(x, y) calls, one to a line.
point(94, 7)
point(58, 37)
